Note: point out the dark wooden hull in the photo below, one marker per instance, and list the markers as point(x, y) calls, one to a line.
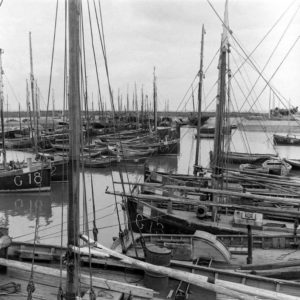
point(285, 140)
point(193, 119)
point(150, 215)
point(245, 158)
point(18, 143)
point(167, 147)
point(25, 180)
point(98, 162)
point(158, 222)
point(59, 170)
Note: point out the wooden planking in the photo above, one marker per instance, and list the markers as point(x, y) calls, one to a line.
point(41, 272)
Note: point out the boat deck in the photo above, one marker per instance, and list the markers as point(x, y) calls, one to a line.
point(225, 223)
point(46, 286)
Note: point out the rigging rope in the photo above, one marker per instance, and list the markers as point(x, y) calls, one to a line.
point(248, 56)
point(264, 37)
point(94, 54)
point(274, 73)
point(191, 85)
point(60, 293)
point(52, 59)
point(86, 225)
point(102, 40)
point(271, 55)
point(30, 285)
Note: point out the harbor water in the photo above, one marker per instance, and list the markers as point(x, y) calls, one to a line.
point(43, 215)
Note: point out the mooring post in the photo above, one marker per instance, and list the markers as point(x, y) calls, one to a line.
point(250, 245)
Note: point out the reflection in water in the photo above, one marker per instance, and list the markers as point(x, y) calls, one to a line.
point(26, 205)
point(168, 163)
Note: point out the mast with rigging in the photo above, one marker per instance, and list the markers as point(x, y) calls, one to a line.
point(199, 102)
point(74, 141)
point(155, 101)
point(2, 117)
point(218, 158)
point(34, 107)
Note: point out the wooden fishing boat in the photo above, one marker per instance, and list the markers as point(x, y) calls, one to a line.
point(19, 253)
point(162, 147)
point(286, 140)
point(165, 140)
point(174, 213)
point(183, 250)
point(193, 119)
point(17, 143)
point(60, 146)
point(123, 135)
point(16, 138)
point(231, 252)
point(30, 178)
point(244, 158)
point(99, 162)
point(58, 163)
point(206, 135)
point(177, 199)
point(207, 131)
point(239, 181)
point(253, 168)
point(273, 166)
point(16, 177)
point(166, 146)
point(124, 151)
point(277, 167)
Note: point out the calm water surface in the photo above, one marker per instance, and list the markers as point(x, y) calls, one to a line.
point(19, 211)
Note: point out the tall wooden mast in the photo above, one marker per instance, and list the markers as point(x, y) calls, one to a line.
point(74, 152)
point(155, 100)
point(2, 108)
point(33, 100)
point(199, 101)
point(218, 156)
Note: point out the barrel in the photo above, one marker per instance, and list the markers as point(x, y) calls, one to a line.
point(159, 256)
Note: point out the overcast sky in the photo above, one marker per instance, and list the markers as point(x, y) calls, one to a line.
point(141, 34)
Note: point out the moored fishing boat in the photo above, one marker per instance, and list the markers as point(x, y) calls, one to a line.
point(16, 138)
point(230, 252)
point(15, 177)
point(58, 163)
point(207, 131)
point(193, 119)
point(18, 143)
point(123, 151)
point(286, 140)
point(99, 162)
point(269, 166)
point(243, 157)
point(33, 177)
point(277, 167)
